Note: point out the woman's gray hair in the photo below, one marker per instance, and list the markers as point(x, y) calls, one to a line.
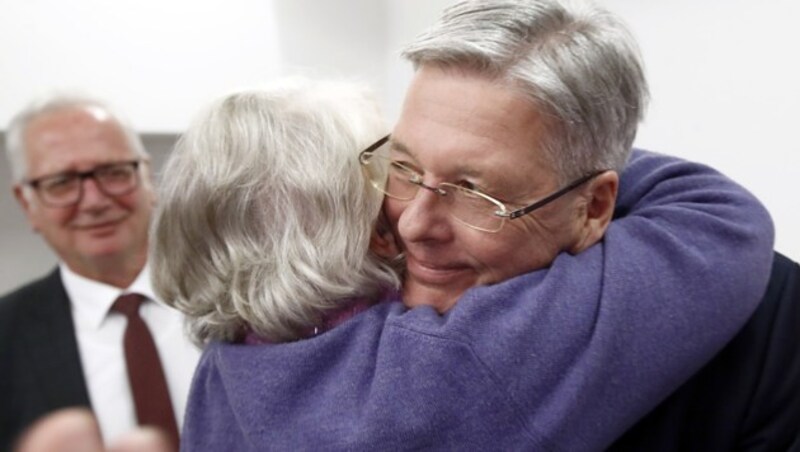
point(264, 216)
point(15, 135)
point(577, 62)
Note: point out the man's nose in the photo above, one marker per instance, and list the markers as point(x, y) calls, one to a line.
point(425, 217)
point(430, 188)
point(92, 195)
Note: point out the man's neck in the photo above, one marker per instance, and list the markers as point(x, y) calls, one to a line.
point(114, 271)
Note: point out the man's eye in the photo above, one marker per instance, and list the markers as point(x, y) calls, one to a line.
point(468, 185)
point(58, 183)
point(402, 167)
point(478, 190)
point(115, 172)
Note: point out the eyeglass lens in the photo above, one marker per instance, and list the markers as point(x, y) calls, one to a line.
point(399, 181)
point(67, 188)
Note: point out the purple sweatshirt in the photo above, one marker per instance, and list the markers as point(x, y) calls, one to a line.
point(565, 358)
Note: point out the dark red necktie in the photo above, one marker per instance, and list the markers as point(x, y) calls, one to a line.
point(146, 376)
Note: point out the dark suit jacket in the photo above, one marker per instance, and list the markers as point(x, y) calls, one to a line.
point(748, 397)
point(40, 369)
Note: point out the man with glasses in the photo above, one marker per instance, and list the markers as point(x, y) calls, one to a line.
point(82, 177)
point(512, 154)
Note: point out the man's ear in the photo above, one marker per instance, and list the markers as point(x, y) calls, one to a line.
point(25, 203)
point(599, 196)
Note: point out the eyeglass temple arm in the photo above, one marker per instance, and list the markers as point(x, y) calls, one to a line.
point(550, 198)
point(375, 145)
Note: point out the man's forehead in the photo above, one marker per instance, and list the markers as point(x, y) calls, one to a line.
point(74, 137)
point(456, 109)
point(469, 102)
point(89, 122)
point(82, 116)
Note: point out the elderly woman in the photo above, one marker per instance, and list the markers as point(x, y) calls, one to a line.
point(266, 238)
point(265, 221)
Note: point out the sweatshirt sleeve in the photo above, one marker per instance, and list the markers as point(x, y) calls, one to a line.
point(593, 343)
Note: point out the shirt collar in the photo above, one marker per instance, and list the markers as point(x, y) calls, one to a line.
point(91, 300)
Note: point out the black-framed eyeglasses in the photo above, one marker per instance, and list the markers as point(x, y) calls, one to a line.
point(468, 206)
point(66, 189)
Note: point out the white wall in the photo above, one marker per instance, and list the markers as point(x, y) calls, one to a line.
point(723, 73)
point(406, 20)
point(341, 38)
point(157, 61)
point(724, 82)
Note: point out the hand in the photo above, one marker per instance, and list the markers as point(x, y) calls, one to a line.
point(76, 430)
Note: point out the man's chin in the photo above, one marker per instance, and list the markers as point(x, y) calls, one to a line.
point(103, 247)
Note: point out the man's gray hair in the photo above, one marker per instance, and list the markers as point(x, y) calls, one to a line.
point(264, 216)
point(15, 135)
point(576, 61)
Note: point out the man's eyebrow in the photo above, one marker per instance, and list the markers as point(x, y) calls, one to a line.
point(400, 147)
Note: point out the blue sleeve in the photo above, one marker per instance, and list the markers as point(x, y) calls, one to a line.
point(593, 343)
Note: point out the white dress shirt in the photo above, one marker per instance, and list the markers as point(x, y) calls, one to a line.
point(100, 343)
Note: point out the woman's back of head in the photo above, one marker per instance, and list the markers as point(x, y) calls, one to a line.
point(264, 218)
